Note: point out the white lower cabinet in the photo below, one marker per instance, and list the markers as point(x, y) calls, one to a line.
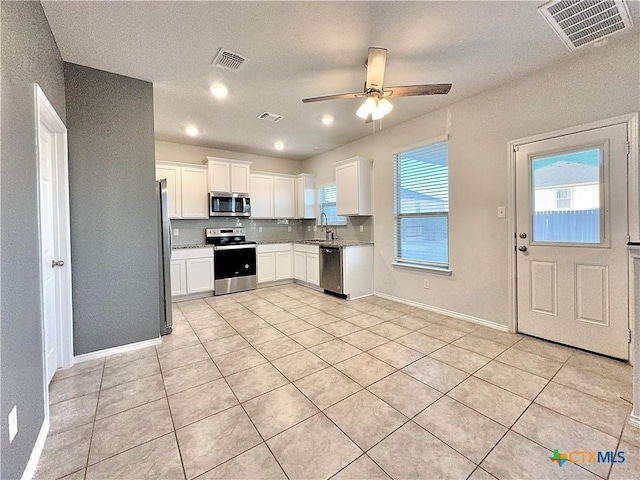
point(200, 275)
point(191, 271)
point(306, 261)
point(274, 262)
point(284, 264)
point(178, 277)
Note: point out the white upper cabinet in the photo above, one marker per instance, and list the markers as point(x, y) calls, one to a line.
point(186, 188)
point(261, 195)
point(228, 176)
point(194, 193)
point(284, 195)
point(219, 176)
point(273, 196)
point(306, 196)
point(353, 185)
point(240, 182)
point(173, 175)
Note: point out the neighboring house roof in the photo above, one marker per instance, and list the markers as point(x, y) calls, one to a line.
point(566, 173)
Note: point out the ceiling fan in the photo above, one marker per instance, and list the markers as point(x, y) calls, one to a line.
point(377, 104)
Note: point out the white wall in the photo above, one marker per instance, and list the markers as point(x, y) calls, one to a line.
point(181, 153)
point(594, 85)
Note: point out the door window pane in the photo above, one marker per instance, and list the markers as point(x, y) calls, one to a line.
point(566, 197)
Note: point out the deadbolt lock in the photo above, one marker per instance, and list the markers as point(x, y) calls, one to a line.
point(523, 235)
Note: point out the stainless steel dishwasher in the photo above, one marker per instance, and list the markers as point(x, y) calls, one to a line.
point(331, 269)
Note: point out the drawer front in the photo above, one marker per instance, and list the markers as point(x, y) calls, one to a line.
point(300, 247)
point(187, 253)
point(274, 247)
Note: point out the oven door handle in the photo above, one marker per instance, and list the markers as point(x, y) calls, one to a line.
point(233, 247)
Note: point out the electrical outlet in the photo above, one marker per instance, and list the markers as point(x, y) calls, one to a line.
point(426, 283)
point(502, 212)
point(176, 232)
point(308, 228)
point(315, 228)
point(288, 229)
point(259, 229)
point(13, 423)
point(361, 228)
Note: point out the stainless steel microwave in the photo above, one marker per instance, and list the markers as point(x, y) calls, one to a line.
point(229, 205)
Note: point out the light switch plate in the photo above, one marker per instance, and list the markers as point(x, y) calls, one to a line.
point(502, 212)
point(361, 228)
point(176, 232)
point(288, 229)
point(259, 229)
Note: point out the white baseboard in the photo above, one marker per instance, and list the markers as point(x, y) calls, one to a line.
point(275, 283)
point(85, 357)
point(634, 420)
point(442, 311)
point(32, 464)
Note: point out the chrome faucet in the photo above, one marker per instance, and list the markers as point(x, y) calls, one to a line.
point(328, 233)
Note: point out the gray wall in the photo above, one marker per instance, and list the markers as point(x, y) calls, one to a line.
point(29, 55)
point(113, 204)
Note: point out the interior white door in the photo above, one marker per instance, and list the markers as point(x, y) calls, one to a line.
point(48, 214)
point(572, 273)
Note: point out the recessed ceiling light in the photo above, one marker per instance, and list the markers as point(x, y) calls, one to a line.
point(327, 119)
point(218, 90)
point(279, 146)
point(191, 131)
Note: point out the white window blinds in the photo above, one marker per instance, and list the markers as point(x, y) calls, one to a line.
point(327, 197)
point(422, 205)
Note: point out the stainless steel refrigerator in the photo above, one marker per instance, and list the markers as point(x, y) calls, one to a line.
point(165, 258)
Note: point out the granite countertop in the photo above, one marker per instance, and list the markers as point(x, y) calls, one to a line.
point(196, 245)
point(321, 243)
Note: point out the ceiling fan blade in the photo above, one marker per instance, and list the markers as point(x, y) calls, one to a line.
point(375, 68)
point(413, 90)
point(332, 97)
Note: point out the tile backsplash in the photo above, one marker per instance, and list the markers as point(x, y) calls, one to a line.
point(192, 231)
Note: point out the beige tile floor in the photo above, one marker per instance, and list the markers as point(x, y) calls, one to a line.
point(286, 382)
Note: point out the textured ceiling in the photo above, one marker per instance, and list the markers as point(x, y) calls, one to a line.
point(297, 50)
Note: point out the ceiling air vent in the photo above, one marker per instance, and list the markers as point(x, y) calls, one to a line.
point(270, 117)
point(581, 22)
point(229, 60)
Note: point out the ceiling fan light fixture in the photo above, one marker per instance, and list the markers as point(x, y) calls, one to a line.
point(384, 106)
point(367, 108)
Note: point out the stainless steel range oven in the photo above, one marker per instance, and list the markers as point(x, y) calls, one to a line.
point(234, 260)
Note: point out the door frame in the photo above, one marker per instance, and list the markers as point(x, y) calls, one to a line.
point(633, 199)
point(46, 115)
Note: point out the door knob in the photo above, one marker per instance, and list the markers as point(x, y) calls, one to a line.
point(55, 264)
point(523, 248)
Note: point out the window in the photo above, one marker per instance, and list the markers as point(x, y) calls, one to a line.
point(563, 199)
point(422, 205)
point(327, 196)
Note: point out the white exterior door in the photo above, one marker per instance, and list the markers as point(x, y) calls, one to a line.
point(572, 273)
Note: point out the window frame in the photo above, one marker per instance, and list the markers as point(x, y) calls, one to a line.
point(321, 204)
point(435, 267)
